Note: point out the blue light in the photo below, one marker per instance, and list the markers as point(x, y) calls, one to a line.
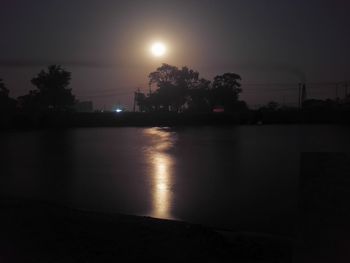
point(118, 110)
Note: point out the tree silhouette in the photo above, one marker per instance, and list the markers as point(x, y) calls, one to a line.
point(30, 102)
point(7, 104)
point(272, 105)
point(225, 91)
point(53, 93)
point(199, 96)
point(142, 102)
point(173, 85)
point(4, 92)
point(182, 89)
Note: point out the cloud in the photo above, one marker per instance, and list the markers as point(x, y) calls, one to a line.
point(28, 63)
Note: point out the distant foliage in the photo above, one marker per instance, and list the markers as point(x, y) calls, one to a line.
point(173, 87)
point(4, 92)
point(7, 104)
point(272, 106)
point(181, 89)
point(225, 90)
point(199, 97)
point(52, 93)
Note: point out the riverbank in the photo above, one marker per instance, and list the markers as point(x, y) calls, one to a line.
point(141, 119)
point(42, 232)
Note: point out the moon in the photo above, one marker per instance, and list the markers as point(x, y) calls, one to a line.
point(158, 49)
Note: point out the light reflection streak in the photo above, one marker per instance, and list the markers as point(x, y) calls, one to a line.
point(161, 162)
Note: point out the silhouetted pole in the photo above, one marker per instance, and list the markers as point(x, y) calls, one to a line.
point(336, 91)
point(346, 89)
point(136, 93)
point(299, 96)
point(303, 94)
point(134, 101)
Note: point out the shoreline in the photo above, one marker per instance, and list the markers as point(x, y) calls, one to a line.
point(43, 232)
point(22, 121)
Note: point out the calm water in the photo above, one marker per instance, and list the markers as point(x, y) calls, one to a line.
point(243, 178)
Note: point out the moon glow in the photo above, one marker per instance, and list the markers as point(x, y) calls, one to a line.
point(158, 49)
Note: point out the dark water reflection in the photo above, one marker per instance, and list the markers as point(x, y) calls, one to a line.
point(244, 178)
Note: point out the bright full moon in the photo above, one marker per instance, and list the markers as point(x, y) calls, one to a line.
point(158, 49)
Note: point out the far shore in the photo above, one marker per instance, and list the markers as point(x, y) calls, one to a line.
point(141, 119)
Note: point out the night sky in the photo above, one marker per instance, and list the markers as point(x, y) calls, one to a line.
point(105, 44)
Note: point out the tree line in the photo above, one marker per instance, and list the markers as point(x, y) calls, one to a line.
point(51, 93)
point(171, 89)
point(182, 89)
point(176, 90)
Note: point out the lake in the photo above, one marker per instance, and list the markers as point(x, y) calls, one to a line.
point(243, 178)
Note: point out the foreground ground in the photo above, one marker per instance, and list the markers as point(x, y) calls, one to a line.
point(41, 232)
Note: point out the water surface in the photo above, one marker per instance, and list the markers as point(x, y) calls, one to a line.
point(244, 178)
